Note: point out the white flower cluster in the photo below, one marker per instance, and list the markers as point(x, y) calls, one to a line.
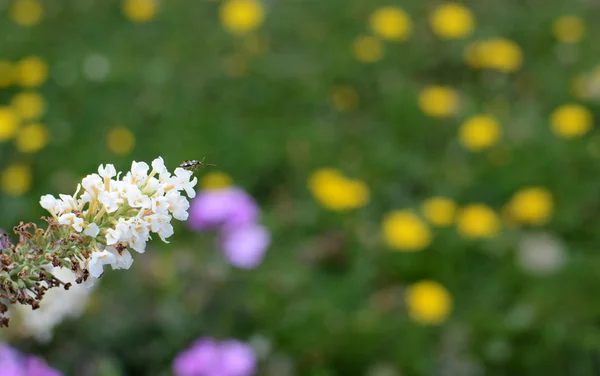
point(122, 213)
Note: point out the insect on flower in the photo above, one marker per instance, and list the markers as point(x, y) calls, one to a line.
point(194, 164)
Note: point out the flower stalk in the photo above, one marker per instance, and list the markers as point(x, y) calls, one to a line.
point(97, 226)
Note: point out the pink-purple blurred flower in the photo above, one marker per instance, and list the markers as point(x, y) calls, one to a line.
point(233, 213)
point(217, 208)
point(15, 363)
point(208, 357)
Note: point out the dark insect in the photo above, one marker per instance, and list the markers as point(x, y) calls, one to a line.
point(194, 164)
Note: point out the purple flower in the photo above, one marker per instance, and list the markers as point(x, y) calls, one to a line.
point(14, 363)
point(245, 247)
point(227, 207)
point(235, 214)
point(207, 357)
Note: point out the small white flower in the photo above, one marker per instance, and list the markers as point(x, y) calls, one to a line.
point(98, 260)
point(50, 203)
point(160, 205)
point(182, 181)
point(93, 184)
point(107, 172)
point(133, 194)
point(153, 184)
point(72, 220)
point(159, 166)
point(165, 231)
point(156, 221)
point(67, 202)
point(140, 234)
point(84, 199)
point(110, 200)
point(123, 260)
point(139, 171)
point(143, 202)
point(121, 233)
point(178, 205)
point(92, 230)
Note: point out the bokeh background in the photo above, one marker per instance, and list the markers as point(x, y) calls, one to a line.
point(428, 172)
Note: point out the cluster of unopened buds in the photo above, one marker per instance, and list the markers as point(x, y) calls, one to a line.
point(108, 216)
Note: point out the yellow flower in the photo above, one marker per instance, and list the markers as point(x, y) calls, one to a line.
point(120, 140)
point(571, 120)
point(367, 49)
point(438, 101)
point(32, 138)
point(391, 23)
point(344, 98)
point(479, 132)
point(241, 16)
point(477, 221)
point(16, 180)
point(568, 29)
point(26, 12)
point(9, 122)
point(405, 231)
point(532, 206)
point(502, 54)
point(452, 21)
point(7, 73)
point(428, 302)
point(140, 10)
point(439, 211)
point(215, 180)
point(336, 192)
point(32, 71)
point(29, 105)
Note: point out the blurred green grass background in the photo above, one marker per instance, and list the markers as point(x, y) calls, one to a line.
point(323, 111)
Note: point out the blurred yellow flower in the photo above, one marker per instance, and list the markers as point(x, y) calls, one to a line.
point(391, 23)
point(140, 10)
point(26, 12)
point(499, 54)
point(120, 140)
point(367, 49)
point(428, 302)
point(241, 16)
point(439, 211)
point(452, 21)
point(568, 29)
point(403, 230)
point(7, 73)
point(32, 71)
point(571, 120)
point(16, 180)
point(29, 105)
point(344, 98)
point(532, 206)
point(502, 54)
point(438, 101)
point(477, 221)
point(32, 138)
point(215, 180)
point(479, 132)
point(336, 192)
point(9, 123)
